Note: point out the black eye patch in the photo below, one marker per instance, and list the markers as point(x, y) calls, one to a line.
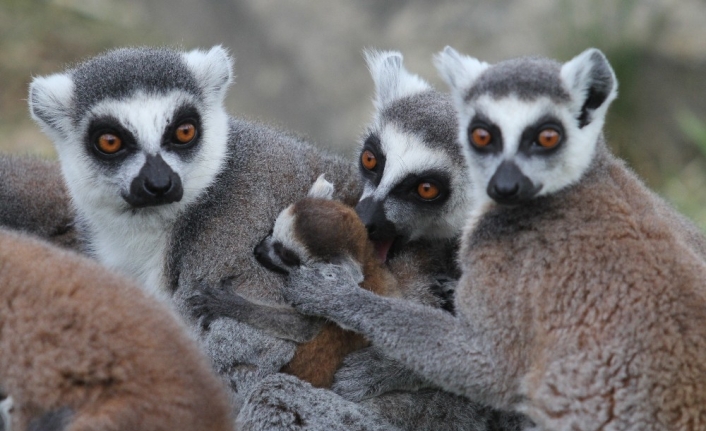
point(287, 256)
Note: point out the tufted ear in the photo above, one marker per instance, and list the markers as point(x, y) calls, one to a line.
point(392, 80)
point(213, 70)
point(591, 83)
point(50, 103)
point(458, 71)
point(321, 189)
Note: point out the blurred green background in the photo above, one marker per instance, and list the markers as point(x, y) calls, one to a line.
point(299, 64)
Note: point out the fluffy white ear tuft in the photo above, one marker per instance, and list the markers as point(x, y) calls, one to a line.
point(213, 70)
point(458, 71)
point(50, 103)
point(392, 80)
point(591, 83)
point(321, 189)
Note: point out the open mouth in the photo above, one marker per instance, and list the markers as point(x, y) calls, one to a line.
point(386, 249)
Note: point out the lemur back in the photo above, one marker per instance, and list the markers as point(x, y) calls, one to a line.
point(84, 349)
point(35, 200)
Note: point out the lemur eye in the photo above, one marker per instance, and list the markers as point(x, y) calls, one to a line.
point(185, 133)
point(368, 160)
point(480, 137)
point(109, 143)
point(427, 190)
point(548, 138)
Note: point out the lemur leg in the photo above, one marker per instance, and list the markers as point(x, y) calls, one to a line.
point(438, 346)
point(210, 303)
point(281, 401)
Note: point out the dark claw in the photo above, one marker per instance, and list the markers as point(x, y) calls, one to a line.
point(208, 302)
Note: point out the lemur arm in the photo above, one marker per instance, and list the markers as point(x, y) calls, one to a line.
point(433, 343)
point(210, 303)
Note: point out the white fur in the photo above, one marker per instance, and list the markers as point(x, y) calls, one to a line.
point(458, 71)
point(5, 413)
point(213, 70)
point(284, 232)
point(392, 80)
point(134, 241)
point(321, 189)
point(576, 77)
point(50, 99)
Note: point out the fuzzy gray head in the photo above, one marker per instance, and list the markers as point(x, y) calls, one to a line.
point(137, 128)
point(413, 173)
point(529, 126)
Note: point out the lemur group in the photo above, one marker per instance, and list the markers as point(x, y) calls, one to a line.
point(486, 262)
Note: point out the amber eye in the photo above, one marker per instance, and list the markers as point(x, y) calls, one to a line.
point(368, 160)
point(427, 190)
point(480, 137)
point(548, 138)
point(109, 143)
point(185, 133)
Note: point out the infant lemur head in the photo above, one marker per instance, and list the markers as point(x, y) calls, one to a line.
point(315, 228)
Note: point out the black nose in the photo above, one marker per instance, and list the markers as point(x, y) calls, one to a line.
point(510, 186)
point(372, 214)
point(155, 184)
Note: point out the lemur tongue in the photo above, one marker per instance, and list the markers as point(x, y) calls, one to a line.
point(382, 248)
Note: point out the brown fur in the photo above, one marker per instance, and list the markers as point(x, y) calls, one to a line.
point(75, 336)
point(595, 303)
point(330, 229)
point(33, 199)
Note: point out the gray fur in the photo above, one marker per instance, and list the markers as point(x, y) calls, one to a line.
point(429, 114)
point(528, 78)
point(33, 199)
point(257, 172)
point(121, 72)
point(283, 402)
point(583, 307)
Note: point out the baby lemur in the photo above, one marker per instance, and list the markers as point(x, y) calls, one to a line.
point(314, 229)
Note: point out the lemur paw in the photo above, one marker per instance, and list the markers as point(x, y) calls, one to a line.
point(209, 303)
point(368, 373)
point(314, 288)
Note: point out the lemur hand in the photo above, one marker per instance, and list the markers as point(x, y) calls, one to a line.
point(317, 288)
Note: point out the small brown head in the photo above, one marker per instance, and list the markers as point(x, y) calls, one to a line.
point(314, 229)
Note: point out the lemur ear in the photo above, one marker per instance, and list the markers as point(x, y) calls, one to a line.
point(591, 83)
point(50, 103)
point(213, 69)
point(321, 189)
point(392, 80)
point(458, 71)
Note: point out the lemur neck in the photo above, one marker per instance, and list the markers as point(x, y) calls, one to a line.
point(133, 243)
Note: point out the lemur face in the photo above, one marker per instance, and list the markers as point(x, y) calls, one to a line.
point(413, 173)
point(528, 127)
point(137, 129)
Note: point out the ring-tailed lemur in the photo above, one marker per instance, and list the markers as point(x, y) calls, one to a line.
point(411, 119)
point(172, 191)
point(35, 200)
point(85, 349)
point(317, 228)
point(580, 304)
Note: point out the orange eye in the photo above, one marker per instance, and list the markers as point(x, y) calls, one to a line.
point(368, 160)
point(185, 133)
point(427, 190)
point(548, 138)
point(109, 143)
point(480, 137)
